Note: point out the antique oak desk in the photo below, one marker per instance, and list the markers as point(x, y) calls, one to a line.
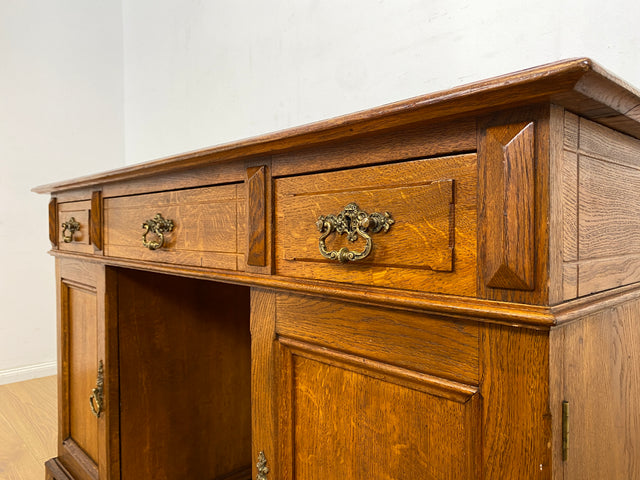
point(442, 288)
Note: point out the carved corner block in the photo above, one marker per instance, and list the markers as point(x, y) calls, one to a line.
point(257, 216)
point(53, 222)
point(508, 164)
point(95, 220)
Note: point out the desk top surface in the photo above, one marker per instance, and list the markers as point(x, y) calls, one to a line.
point(579, 85)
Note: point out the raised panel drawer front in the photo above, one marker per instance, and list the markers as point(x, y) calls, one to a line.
point(208, 227)
point(429, 244)
point(73, 227)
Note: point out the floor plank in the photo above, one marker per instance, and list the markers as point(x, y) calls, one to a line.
point(28, 428)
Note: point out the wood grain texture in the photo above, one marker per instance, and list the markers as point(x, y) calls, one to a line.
point(54, 470)
point(264, 436)
point(425, 139)
point(602, 384)
point(556, 398)
point(209, 226)
point(95, 220)
point(601, 247)
point(358, 431)
point(609, 210)
point(53, 222)
point(482, 310)
point(509, 162)
point(257, 216)
point(516, 418)
point(184, 396)
point(556, 220)
point(418, 250)
point(513, 215)
point(81, 289)
point(446, 348)
point(570, 206)
point(81, 240)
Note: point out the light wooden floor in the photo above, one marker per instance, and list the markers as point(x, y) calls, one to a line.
point(28, 428)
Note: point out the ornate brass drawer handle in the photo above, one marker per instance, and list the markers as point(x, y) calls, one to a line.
point(261, 466)
point(158, 226)
point(72, 226)
point(96, 398)
point(355, 223)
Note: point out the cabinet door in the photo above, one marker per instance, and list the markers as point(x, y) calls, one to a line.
point(342, 416)
point(85, 373)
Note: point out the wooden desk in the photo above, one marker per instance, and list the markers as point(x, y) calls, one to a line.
point(445, 287)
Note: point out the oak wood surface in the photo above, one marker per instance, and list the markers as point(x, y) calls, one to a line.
point(516, 419)
point(264, 429)
point(53, 222)
point(81, 291)
point(257, 216)
point(434, 223)
point(504, 287)
point(185, 402)
point(95, 220)
point(425, 139)
point(209, 226)
point(601, 374)
point(509, 205)
point(483, 310)
point(418, 342)
point(344, 423)
point(81, 239)
point(513, 222)
point(600, 208)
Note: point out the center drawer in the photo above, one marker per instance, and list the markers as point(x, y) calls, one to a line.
point(208, 227)
point(427, 242)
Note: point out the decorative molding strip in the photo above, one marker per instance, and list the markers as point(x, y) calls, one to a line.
point(28, 372)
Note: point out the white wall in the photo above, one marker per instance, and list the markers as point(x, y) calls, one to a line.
point(61, 115)
point(199, 73)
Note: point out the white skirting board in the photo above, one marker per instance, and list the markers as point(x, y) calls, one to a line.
point(28, 372)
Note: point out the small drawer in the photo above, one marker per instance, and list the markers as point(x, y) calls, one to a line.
point(74, 227)
point(430, 242)
point(208, 227)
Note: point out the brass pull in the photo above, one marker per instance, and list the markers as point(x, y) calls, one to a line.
point(72, 226)
point(262, 467)
point(355, 223)
point(158, 226)
point(96, 399)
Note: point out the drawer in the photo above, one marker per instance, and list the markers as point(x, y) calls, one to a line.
point(209, 227)
point(419, 342)
point(430, 246)
point(74, 227)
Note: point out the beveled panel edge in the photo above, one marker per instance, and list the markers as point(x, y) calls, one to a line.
point(426, 383)
point(56, 471)
point(559, 82)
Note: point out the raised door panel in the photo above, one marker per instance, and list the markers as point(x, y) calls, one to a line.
point(343, 417)
point(81, 287)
